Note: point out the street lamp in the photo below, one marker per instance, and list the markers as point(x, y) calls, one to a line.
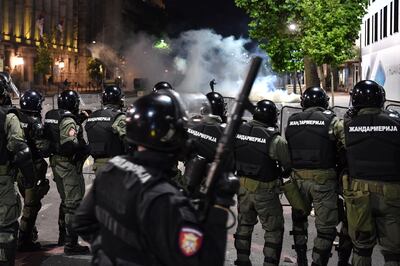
point(292, 26)
point(61, 64)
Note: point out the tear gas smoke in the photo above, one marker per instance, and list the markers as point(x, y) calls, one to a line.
point(191, 61)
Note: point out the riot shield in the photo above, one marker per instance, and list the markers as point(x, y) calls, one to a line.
point(392, 105)
point(340, 111)
point(285, 113)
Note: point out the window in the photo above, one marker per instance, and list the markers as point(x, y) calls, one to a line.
point(368, 30)
point(396, 16)
point(376, 27)
point(380, 25)
point(372, 29)
point(365, 33)
point(385, 24)
point(391, 18)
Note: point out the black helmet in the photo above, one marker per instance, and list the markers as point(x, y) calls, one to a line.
point(69, 100)
point(157, 121)
point(217, 103)
point(162, 85)
point(314, 97)
point(31, 101)
point(266, 112)
point(367, 93)
point(113, 95)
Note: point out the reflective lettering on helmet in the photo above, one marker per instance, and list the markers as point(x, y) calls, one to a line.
point(202, 135)
point(307, 123)
point(126, 165)
point(99, 119)
point(251, 139)
point(190, 241)
point(366, 129)
point(51, 121)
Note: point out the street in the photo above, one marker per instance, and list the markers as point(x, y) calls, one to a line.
point(48, 226)
point(53, 255)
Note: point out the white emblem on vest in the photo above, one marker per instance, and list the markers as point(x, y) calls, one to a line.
point(251, 139)
point(129, 166)
point(99, 119)
point(51, 121)
point(366, 129)
point(307, 123)
point(202, 135)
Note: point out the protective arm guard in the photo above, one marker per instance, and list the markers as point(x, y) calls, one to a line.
point(23, 161)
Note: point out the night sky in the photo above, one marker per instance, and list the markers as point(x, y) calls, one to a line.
point(221, 15)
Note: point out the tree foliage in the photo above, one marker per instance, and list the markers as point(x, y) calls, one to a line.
point(44, 57)
point(325, 29)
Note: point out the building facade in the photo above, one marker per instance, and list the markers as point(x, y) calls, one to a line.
point(26, 24)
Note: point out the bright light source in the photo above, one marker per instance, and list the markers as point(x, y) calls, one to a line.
point(19, 60)
point(161, 45)
point(16, 61)
point(292, 27)
point(94, 42)
point(61, 64)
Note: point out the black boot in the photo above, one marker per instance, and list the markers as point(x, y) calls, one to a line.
point(72, 247)
point(242, 263)
point(301, 256)
point(26, 243)
point(344, 257)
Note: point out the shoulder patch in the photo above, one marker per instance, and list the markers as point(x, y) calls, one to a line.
point(190, 241)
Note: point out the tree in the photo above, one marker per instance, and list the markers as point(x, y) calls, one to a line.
point(44, 58)
point(325, 30)
point(96, 70)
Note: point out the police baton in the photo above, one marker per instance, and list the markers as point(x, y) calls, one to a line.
point(226, 141)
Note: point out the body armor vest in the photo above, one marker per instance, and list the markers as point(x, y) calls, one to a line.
point(124, 192)
point(103, 141)
point(373, 146)
point(309, 142)
point(205, 137)
point(252, 153)
point(52, 122)
point(31, 125)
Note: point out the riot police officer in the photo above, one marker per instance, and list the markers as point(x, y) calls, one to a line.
point(31, 121)
point(13, 150)
point(372, 195)
point(106, 127)
point(162, 85)
point(313, 136)
point(217, 103)
point(69, 151)
point(132, 215)
point(259, 152)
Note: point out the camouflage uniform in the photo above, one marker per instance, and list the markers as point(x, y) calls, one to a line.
point(257, 199)
point(373, 199)
point(33, 196)
point(69, 179)
point(318, 188)
point(10, 204)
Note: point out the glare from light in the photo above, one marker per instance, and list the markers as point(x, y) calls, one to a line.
point(292, 27)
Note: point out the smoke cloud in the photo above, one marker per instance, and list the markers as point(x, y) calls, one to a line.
point(190, 62)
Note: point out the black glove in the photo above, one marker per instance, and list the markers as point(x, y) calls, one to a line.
point(82, 153)
point(225, 190)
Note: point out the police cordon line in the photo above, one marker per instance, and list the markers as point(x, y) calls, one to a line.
point(142, 210)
